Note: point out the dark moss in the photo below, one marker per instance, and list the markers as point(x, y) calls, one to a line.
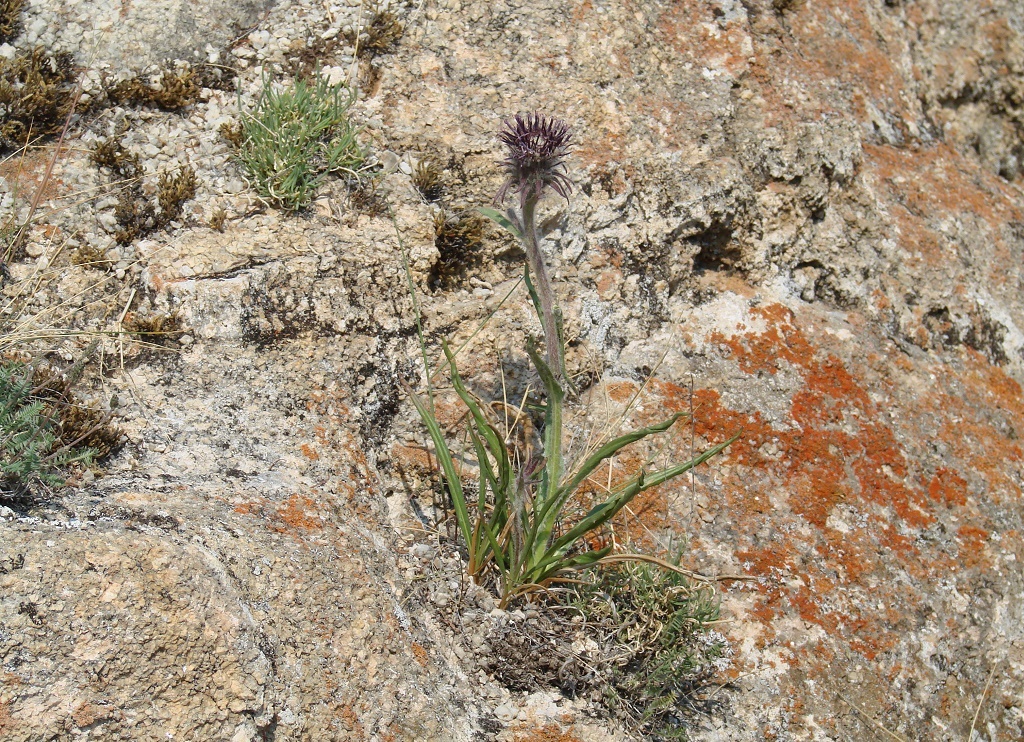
point(124, 164)
point(90, 256)
point(155, 329)
point(173, 192)
point(305, 63)
point(88, 426)
point(366, 198)
point(218, 219)
point(428, 179)
point(10, 19)
point(37, 95)
point(232, 133)
point(458, 239)
point(175, 90)
point(381, 35)
point(136, 216)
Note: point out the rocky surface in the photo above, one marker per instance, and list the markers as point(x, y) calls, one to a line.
point(807, 213)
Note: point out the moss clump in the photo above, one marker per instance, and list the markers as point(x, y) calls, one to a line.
point(10, 19)
point(173, 192)
point(176, 89)
point(136, 216)
point(458, 239)
point(428, 180)
point(382, 33)
point(37, 94)
point(218, 219)
point(89, 256)
point(365, 197)
point(232, 134)
point(156, 329)
point(109, 153)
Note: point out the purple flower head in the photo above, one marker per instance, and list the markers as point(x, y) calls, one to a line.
point(537, 147)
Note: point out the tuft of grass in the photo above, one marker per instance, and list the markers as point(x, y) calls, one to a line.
point(38, 92)
point(638, 638)
point(176, 89)
point(295, 137)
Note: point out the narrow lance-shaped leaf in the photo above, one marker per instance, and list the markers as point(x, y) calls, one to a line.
point(604, 452)
point(444, 457)
point(577, 561)
point(495, 442)
point(541, 528)
point(501, 220)
point(642, 481)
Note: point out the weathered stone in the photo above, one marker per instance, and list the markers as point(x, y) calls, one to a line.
point(809, 213)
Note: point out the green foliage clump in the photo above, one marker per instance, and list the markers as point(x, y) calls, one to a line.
point(295, 137)
point(662, 649)
point(43, 430)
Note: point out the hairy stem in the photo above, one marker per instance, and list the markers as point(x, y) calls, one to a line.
point(548, 313)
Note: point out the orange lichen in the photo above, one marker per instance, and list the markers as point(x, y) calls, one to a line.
point(421, 654)
point(309, 452)
point(948, 487)
point(86, 714)
point(547, 733)
point(835, 458)
point(301, 513)
point(248, 508)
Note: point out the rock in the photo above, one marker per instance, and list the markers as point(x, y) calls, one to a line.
point(131, 37)
point(802, 221)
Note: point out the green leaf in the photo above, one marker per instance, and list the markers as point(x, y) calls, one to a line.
point(544, 516)
point(610, 449)
point(622, 497)
point(501, 220)
point(444, 457)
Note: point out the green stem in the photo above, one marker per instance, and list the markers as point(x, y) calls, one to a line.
point(549, 312)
